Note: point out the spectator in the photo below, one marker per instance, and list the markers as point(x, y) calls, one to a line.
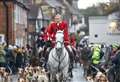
point(19, 59)
point(2, 57)
point(77, 38)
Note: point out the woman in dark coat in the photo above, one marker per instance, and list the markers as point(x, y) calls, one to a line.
point(19, 59)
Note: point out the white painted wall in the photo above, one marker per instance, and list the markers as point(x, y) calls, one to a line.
point(20, 18)
point(2, 38)
point(100, 25)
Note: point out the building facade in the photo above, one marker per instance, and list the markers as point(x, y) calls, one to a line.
point(20, 25)
point(115, 1)
point(13, 22)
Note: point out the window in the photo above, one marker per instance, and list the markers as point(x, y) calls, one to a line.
point(16, 14)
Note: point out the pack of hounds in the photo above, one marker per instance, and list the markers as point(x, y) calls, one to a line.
point(28, 74)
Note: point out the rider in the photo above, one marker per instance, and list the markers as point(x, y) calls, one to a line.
point(59, 24)
point(73, 40)
point(73, 44)
point(40, 40)
point(55, 25)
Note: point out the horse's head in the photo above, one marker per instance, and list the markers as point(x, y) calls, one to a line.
point(59, 39)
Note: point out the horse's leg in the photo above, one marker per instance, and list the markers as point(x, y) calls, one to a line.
point(70, 71)
point(79, 55)
point(65, 74)
point(86, 69)
point(75, 56)
point(53, 78)
point(59, 77)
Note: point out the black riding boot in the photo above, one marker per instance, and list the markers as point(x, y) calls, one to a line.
point(71, 62)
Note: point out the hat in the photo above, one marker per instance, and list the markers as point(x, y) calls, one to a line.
point(97, 46)
point(115, 45)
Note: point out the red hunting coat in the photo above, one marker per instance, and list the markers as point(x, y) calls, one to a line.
point(53, 27)
point(73, 40)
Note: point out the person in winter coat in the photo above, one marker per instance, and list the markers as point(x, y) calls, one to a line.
point(19, 58)
point(97, 55)
point(116, 58)
point(77, 39)
point(2, 57)
point(116, 65)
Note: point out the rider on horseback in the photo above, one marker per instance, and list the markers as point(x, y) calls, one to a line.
point(59, 24)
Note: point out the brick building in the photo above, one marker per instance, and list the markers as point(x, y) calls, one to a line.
point(13, 21)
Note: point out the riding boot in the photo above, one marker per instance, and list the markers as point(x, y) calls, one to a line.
point(75, 56)
point(74, 51)
point(71, 60)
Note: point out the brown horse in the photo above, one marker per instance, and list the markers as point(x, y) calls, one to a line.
point(85, 59)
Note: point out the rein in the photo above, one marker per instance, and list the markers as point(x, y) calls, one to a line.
point(59, 61)
point(59, 42)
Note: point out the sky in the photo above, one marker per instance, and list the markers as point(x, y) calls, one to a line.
point(83, 4)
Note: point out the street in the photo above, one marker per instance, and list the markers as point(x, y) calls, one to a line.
point(45, 36)
point(77, 75)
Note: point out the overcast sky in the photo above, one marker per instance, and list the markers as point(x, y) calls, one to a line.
point(82, 4)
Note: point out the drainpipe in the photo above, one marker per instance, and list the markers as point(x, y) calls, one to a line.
point(7, 22)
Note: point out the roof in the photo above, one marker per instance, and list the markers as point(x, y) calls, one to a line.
point(54, 3)
point(33, 13)
point(46, 17)
point(74, 11)
point(22, 5)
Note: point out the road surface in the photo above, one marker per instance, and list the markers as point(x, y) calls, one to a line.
point(77, 75)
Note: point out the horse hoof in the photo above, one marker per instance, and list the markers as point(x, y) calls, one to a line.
point(69, 78)
point(71, 75)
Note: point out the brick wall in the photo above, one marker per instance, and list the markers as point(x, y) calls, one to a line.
point(11, 22)
point(3, 20)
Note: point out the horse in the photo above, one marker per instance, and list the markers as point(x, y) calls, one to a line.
point(58, 60)
point(85, 60)
point(43, 54)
